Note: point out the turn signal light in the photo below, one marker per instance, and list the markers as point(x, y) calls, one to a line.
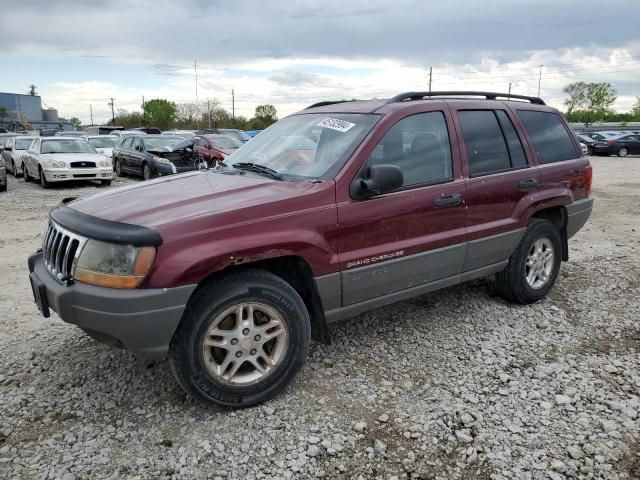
point(588, 178)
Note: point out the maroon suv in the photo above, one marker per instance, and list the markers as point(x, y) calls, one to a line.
point(230, 272)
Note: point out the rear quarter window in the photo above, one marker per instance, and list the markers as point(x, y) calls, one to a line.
point(550, 138)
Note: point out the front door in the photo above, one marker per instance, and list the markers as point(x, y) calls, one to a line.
point(414, 235)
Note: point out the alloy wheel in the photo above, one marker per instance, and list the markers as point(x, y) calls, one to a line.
point(245, 343)
point(623, 152)
point(539, 263)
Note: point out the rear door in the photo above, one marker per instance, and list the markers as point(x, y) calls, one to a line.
point(414, 235)
point(499, 175)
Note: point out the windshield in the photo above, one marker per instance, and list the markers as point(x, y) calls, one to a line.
point(225, 142)
point(314, 145)
point(23, 143)
point(103, 142)
point(159, 142)
point(4, 140)
point(66, 146)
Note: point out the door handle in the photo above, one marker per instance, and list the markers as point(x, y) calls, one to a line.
point(528, 184)
point(447, 200)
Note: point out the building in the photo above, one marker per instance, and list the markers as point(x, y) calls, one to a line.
point(24, 112)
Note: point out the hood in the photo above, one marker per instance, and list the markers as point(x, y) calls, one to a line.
point(106, 151)
point(188, 143)
point(74, 157)
point(179, 197)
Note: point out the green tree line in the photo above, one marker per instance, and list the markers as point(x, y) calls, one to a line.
point(167, 115)
point(589, 102)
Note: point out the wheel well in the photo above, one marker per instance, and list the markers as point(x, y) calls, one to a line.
point(297, 273)
point(558, 217)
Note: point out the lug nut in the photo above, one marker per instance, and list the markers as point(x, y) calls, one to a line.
point(245, 331)
point(238, 354)
point(257, 338)
point(253, 352)
point(234, 341)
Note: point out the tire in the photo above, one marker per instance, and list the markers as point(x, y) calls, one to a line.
point(25, 173)
point(513, 283)
point(105, 183)
point(623, 152)
point(43, 179)
point(146, 171)
point(590, 151)
point(215, 303)
point(117, 167)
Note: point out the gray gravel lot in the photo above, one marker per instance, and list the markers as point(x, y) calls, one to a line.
point(457, 384)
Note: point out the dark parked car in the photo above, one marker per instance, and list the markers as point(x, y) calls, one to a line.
point(3, 175)
point(621, 146)
point(154, 156)
point(230, 273)
point(215, 148)
point(588, 141)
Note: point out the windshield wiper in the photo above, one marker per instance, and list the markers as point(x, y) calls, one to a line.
point(257, 168)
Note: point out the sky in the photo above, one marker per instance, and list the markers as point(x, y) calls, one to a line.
point(291, 54)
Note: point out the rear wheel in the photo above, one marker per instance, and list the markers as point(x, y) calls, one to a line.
point(14, 170)
point(146, 171)
point(241, 340)
point(25, 172)
point(534, 266)
point(623, 152)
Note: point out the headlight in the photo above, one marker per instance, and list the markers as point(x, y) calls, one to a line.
point(161, 160)
point(114, 266)
point(105, 163)
point(57, 164)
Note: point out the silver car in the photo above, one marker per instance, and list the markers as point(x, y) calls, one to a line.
point(13, 151)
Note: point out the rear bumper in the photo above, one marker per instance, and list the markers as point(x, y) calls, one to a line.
point(577, 215)
point(142, 321)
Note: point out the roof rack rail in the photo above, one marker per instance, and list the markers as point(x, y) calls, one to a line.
point(455, 93)
point(330, 102)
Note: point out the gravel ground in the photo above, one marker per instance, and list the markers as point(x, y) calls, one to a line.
point(457, 384)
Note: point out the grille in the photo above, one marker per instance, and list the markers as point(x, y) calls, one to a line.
point(61, 249)
point(83, 165)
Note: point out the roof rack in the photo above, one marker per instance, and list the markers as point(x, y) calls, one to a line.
point(330, 102)
point(455, 93)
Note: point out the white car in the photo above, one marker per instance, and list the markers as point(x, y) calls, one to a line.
point(13, 151)
point(60, 159)
point(104, 143)
point(585, 149)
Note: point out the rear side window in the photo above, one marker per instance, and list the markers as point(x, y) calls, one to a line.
point(419, 145)
point(550, 139)
point(516, 151)
point(486, 147)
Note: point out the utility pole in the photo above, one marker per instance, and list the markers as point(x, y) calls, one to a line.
point(539, 78)
point(113, 115)
point(233, 105)
point(509, 90)
point(195, 68)
point(430, 77)
point(91, 113)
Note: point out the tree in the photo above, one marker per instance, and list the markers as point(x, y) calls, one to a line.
point(600, 97)
point(159, 113)
point(577, 96)
point(75, 121)
point(635, 110)
point(128, 119)
point(3, 113)
point(188, 115)
point(32, 90)
point(265, 116)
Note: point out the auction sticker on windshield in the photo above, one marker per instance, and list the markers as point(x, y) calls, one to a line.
point(336, 124)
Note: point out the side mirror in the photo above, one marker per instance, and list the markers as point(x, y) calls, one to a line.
point(380, 179)
point(8, 149)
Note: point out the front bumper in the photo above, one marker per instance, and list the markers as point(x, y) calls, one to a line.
point(577, 215)
point(162, 169)
point(142, 321)
point(66, 174)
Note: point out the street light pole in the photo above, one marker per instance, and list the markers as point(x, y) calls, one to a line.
point(539, 79)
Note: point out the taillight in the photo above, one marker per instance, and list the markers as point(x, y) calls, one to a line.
point(588, 178)
point(610, 142)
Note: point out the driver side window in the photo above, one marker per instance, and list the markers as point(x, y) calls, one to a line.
point(419, 145)
point(137, 144)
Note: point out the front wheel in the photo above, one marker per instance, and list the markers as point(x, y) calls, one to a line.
point(118, 168)
point(43, 180)
point(146, 171)
point(241, 340)
point(623, 152)
point(534, 266)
